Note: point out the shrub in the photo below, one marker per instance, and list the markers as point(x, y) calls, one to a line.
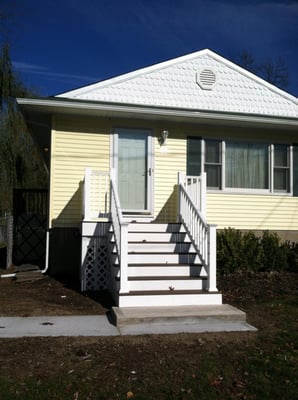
point(244, 251)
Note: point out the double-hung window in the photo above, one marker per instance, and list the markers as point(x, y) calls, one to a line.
point(243, 165)
point(281, 168)
point(213, 164)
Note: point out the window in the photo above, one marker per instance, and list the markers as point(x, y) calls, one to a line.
point(213, 163)
point(281, 168)
point(247, 165)
point(244, 166)
point(193, 156)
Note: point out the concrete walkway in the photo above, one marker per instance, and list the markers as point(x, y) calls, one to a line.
point(13, 327)
point(130, 321)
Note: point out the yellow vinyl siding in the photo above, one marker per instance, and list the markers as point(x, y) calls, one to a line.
point(168, 161)
point(76, 144)
point(252, 211)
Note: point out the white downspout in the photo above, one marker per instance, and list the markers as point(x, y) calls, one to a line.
point(47, 252)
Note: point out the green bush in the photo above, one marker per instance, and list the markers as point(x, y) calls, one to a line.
point(244, 251)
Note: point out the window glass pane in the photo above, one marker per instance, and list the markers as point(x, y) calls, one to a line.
point(213, 176)
point(280, 156)
point(281, 168)
point(281, 179)
point(193, 156)
point(213, 163)
point(211, 151)
point(247, 165)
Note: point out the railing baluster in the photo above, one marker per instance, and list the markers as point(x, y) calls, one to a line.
point(121, 235)
point(192, 214)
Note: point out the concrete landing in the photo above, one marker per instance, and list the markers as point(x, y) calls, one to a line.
point(183, 319)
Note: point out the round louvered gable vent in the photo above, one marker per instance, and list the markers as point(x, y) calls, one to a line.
point(206, 79)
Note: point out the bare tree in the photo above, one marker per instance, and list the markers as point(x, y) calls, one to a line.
point(274, 71)
point(17, 170)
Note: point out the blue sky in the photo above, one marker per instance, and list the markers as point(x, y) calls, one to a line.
point(60, 45)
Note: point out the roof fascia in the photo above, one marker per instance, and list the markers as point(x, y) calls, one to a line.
point(54, 106)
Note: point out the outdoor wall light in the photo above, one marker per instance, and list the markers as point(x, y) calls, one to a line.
point(163, 137)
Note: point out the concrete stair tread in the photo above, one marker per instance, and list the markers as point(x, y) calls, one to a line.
point(143, 313)
point(180, 319)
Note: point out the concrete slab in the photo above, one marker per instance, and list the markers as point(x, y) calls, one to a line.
point(130, 321)
point(141, 314)
point(174, 328)
point(13, 327)
point(142, 320)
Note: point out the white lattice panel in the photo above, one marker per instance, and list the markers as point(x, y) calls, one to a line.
point(94, 264)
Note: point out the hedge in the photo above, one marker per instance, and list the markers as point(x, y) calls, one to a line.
point(245, 251)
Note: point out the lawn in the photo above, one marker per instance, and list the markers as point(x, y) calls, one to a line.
point(253, 365)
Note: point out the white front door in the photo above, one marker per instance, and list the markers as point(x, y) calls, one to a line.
point(134, 167)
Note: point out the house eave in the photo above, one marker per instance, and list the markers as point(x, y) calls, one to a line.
point(52, 106)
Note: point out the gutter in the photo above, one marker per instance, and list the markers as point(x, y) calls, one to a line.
point(73, 106)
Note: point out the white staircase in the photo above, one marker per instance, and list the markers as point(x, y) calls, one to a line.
point(163, 268)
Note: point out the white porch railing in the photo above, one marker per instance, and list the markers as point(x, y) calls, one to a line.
point(196, 188)
point(96, 194)
point(203, 236)
point(120, 229)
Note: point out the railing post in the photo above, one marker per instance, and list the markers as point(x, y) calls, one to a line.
point(87, 190)
point(181, 178)
point(124, 287)
point(203, 192)
point(211, 285)
point(113, 174)
point(181, 181)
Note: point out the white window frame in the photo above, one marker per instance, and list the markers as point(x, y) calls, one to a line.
point(270, 190)
point(289, 167)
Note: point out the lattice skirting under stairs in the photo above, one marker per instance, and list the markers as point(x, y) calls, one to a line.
point(94, 273)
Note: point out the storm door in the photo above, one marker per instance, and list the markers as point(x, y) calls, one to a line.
point(134, 170)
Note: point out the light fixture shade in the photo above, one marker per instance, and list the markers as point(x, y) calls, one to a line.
point(163, 137)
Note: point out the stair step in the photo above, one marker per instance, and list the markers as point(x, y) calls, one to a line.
point(182, 319)
point(165, 270)
point(170, 284)
point(153, 247)
point(164, 258)
point(158, 237)
point(158, 278)
point(186, 314)
point(169, 298)
point(155, 227)
point(23, 276)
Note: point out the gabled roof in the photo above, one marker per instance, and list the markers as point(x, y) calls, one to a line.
point(202, 81)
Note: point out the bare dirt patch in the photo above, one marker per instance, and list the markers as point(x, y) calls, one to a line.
point(254, 365)
point(48, 297)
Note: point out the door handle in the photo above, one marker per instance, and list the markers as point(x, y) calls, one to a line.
point(149, 171)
